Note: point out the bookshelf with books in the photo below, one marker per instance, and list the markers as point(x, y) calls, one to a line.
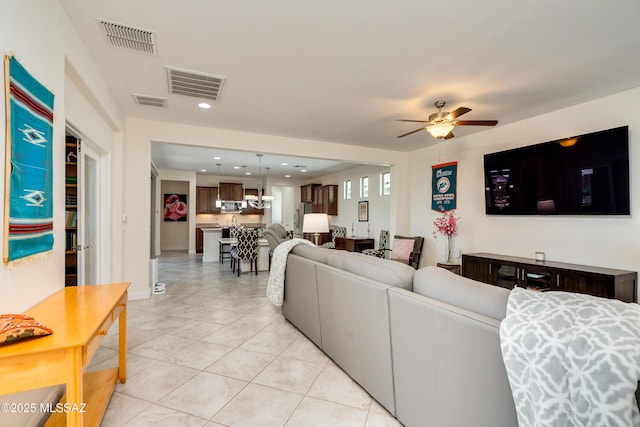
point(71, 211)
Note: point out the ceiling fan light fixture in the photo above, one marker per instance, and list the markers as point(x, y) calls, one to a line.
point(440, 130)
point(569, 142)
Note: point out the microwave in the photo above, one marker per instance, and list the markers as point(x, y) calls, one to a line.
point(231, 207)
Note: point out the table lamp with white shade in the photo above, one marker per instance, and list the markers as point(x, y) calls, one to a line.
point(315, 223)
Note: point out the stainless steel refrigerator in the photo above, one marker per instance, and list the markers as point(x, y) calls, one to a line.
point(301, 209)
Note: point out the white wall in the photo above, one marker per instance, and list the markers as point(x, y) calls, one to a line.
point(42, 39)
point(185, 232)
point(46, 45)
point(379, 206)
point(593, 240)
point(174, 235)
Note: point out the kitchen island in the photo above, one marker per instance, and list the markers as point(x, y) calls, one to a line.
point(210, 247)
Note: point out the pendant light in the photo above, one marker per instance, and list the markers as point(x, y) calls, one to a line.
point(261, 201)
point(218, 201)
point(244, 196)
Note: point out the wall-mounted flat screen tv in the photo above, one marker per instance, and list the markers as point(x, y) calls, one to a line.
point(582, 175)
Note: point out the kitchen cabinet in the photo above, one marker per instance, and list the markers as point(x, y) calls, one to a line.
point(206, 200)
point(230, 191)
point(325, 199)
point(306, 192)
point(508, 271)
point(317, 200)
point(330, 199)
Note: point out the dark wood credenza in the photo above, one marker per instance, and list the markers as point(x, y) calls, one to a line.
point(509, 271)
point(354, 243)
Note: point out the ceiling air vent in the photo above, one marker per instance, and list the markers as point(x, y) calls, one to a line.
point(194, 83)
point(130, 38)
point(152, 101)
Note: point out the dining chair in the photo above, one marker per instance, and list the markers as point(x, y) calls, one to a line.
point(233, 251)
point(247, 249)
point(336, 231)
point(382, 250)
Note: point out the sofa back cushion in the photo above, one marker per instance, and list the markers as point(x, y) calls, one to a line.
point(389, 272)
point(278, 229)
point(443, 285)
point(312, 253)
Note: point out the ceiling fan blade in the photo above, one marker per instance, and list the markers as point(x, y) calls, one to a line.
point(409, 133)
point(457, 113)
point(449, 135)
point(476, 122)
point(413, 121)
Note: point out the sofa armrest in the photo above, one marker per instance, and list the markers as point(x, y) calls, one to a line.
point(300, 305)
point(442, 354)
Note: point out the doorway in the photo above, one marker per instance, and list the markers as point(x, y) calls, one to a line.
point(84, 254)
point(282, 208)
point(89, 216)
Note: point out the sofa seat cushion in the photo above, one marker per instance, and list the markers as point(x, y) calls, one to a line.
point(443, 285)
point(386, 271)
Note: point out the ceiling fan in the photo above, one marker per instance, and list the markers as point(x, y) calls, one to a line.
point(440, 125)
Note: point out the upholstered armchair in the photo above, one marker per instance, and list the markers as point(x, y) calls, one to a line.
point(276, 234)
point(407, 250)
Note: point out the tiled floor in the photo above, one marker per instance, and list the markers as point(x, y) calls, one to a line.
point(213, 351)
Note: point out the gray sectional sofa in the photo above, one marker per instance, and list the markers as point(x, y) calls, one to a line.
point(424, 344)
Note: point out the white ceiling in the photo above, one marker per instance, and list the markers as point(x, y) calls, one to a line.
point(344, 71)
point(204, 160)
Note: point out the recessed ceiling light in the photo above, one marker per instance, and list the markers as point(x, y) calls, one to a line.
point(285, 164)
point(287, 176)
point(247, 173)
point(216, 157)
point(236, 167)
point(203, 170)
point(303, 170)
point(204, 105)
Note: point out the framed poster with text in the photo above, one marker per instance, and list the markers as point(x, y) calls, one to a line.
point(443, 186)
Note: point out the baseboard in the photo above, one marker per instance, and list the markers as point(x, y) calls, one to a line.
point(146, 294)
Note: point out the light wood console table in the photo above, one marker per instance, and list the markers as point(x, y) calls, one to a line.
point(80, 318)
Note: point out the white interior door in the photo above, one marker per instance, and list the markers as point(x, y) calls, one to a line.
point(89, 216)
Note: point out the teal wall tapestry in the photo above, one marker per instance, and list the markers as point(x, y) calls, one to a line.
point(28, 204)
point(443, 186)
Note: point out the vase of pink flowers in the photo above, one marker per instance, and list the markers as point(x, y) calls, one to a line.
point(447, 225)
